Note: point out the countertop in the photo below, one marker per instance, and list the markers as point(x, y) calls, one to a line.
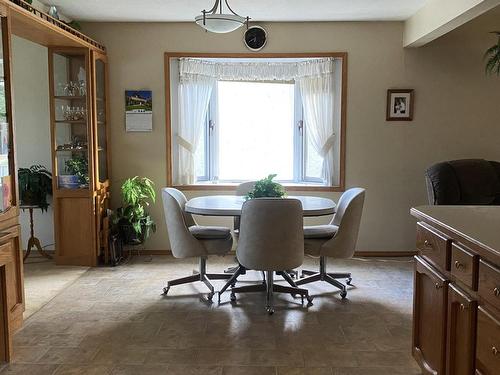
point(477, 224)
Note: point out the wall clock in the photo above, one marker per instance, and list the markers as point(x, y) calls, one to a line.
point(255, 38)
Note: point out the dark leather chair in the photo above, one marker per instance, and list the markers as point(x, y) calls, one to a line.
point(464, 182)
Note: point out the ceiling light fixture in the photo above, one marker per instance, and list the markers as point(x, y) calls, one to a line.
point(215, 21)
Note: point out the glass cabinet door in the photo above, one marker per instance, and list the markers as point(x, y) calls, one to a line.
point(7, 187)
point(71, 130)
point(101, 117)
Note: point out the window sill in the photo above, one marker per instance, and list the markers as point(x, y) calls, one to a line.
point(232, 187)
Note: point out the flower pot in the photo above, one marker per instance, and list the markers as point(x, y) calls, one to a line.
point(29, 198)
point(69, 181)
point(129, 235)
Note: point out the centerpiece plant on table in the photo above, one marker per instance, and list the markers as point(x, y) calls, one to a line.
point(267, 188)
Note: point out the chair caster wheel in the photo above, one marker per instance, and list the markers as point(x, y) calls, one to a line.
point(233, 297)
point(348, 281)
point(165, 290)
point(309, 300)
point(270, 310)
point(210, 296)
point(343, 294)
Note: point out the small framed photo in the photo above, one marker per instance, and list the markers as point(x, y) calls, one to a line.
point(399, 105)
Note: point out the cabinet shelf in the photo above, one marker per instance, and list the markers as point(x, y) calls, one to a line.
point(70, 97)
point(84, 122)
point(100, 149)
point(72, 149)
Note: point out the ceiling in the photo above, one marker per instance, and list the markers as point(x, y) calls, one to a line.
point(258, 10)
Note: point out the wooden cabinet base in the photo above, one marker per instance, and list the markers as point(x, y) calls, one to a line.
point(461, 332)
point(429, 318)
point(463, 298)
point(488, 343)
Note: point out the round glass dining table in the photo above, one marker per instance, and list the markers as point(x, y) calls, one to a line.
point(230, 205)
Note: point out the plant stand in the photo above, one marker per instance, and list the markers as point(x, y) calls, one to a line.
point(33, 242)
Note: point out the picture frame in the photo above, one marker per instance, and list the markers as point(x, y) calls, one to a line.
point(399, 105)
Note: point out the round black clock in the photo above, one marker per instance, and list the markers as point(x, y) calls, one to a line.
point(255, 38)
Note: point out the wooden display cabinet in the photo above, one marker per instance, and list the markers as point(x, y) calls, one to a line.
point(79, 129)
point(11, 260)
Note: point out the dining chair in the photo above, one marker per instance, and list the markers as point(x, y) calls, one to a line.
point(242, 190)
point(335, 240)
point(271, 240)
point(189, 240)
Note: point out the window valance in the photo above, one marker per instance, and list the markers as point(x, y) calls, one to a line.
point(254, 71)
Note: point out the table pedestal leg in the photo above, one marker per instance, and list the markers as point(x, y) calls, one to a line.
point(34, 242)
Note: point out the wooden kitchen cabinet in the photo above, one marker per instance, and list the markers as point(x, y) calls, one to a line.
point(429, 318)
point(470, 274)
point(461, 321)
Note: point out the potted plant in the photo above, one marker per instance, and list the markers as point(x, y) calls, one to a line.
point(492, 56)
point(267, 188)
point(77, 169)
point(134, 222)
point(35, 183)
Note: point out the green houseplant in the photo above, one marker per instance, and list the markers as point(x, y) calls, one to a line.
point(134, 222)
point(35, 183)
point(78, 166)
point(492, 57)
point(267, 188)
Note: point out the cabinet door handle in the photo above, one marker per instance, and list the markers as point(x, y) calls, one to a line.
point(496, 292)
point(459, 265)
point(438, 286)
point(494, 350)
point(463, 307)
point(427, 244)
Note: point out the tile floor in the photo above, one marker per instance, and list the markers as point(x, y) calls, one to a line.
point(115, 321)
point(43, 281)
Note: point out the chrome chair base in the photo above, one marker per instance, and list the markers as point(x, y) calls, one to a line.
point(270, 288)
point(200, 275)
point(322, 275)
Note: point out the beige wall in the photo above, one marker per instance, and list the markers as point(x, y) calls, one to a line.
point(457, 112)
point(32, 119)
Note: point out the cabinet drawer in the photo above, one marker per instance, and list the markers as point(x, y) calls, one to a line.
point(464, 266)
point(433, 246)
point(488, 343)
point(489, 283)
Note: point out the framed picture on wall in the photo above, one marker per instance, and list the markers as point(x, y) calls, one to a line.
point(399, 105)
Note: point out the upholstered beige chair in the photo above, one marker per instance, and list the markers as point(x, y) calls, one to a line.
point(335, 240)
point(187, 239)
point(271, 240)
point(242, 189)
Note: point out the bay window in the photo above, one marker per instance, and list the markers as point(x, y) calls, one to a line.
point(240, 119)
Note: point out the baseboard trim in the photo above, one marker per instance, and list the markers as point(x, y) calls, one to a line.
point(364, 254)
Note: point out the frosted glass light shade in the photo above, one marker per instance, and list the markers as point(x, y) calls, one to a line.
point(221, 23)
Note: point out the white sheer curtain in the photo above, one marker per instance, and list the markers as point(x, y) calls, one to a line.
point(197, 78)
point(266, 70)
point(317, 94)
point(194, 95)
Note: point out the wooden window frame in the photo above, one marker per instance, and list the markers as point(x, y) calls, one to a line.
point(232, 187)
